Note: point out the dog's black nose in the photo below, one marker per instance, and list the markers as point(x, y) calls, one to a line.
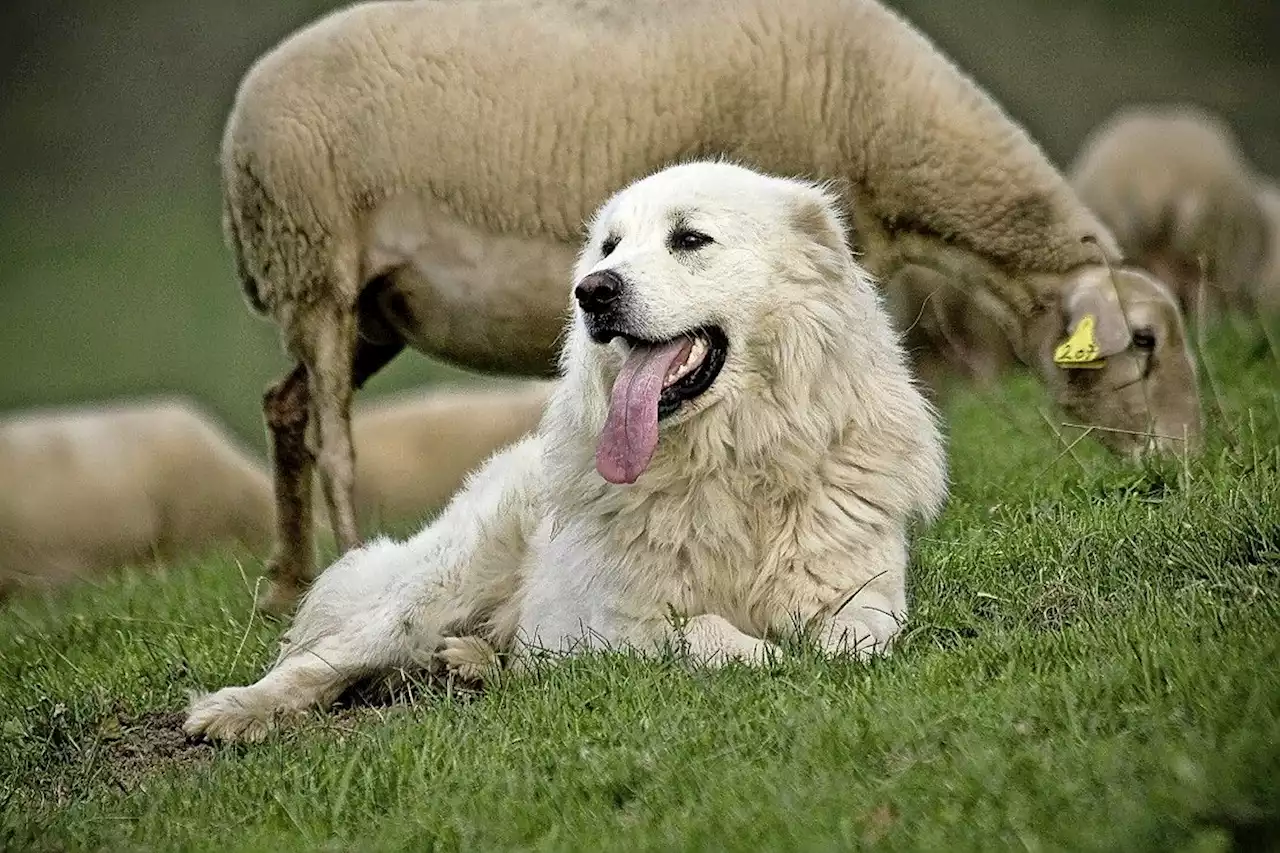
point(597, 292)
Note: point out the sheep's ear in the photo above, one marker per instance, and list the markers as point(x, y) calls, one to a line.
point(1096, 327)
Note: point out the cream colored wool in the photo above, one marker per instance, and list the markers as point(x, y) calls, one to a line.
point(414, 451)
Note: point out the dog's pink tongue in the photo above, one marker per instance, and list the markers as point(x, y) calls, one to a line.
point(630, 433)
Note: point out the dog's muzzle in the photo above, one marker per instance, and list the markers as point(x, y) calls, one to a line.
point(598, 293)
point(601, 297)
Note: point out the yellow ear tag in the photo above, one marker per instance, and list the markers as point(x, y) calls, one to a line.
point(1080, 350)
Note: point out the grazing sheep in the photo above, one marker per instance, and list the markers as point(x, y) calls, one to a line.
point(414, 452)
point(954, 326)
point(418, 172)
point(91, 489)
point(1173, 185)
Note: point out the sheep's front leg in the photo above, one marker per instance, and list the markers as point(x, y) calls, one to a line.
point(286, 409)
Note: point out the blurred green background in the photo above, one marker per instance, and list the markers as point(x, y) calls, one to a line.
point(113, 277)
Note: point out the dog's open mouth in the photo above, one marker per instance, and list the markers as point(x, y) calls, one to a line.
point(657, 378)
point(690, 376)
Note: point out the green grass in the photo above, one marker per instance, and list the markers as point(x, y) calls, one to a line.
point(1091, 664)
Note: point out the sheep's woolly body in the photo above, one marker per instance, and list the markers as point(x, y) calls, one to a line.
point(1174, 186)
point(413, 452)
point(952, 326)
point(99, 488)
point(129, 484)
point(520, 118)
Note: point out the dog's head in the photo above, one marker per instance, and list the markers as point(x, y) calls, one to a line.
point(699, 283)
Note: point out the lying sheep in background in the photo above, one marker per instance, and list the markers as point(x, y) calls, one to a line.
point(418, 172)
point(86, 490)
point(414, 451)
point(1174, 186)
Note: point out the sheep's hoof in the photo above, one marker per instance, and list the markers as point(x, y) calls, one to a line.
point(280, 598)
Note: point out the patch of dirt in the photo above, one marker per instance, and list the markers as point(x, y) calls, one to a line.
point(117, 751)
point(147, 745)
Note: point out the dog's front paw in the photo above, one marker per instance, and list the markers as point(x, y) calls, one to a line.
point(859, 638)
point(469, 659)
point(231, 714)
point(711, 640)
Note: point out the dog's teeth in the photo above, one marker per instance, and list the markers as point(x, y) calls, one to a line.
point(697, 352)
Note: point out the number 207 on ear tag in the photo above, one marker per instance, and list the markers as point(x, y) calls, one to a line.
point(1080, 349)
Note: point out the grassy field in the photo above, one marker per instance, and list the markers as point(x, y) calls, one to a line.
point(1091, 664)
point(1092, 655)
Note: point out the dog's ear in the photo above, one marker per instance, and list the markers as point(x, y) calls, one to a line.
point(1096, 326)
point(816, 215)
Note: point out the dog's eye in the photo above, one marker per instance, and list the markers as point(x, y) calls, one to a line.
point(1144, 339)
point(610, 243)
point(689, 241)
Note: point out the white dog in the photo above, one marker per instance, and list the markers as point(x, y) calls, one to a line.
point(735, 440)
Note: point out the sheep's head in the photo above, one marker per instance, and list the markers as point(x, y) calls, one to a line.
point(1115, 354)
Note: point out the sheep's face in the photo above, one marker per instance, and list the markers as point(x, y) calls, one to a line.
point(1117, 359)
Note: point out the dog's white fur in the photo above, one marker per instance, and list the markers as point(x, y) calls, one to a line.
point(778, 500)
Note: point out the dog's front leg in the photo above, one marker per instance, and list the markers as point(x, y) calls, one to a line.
point(470, 658)
point(712, 640)
point(707, 639)
point(302, 679)
point(865, 625)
